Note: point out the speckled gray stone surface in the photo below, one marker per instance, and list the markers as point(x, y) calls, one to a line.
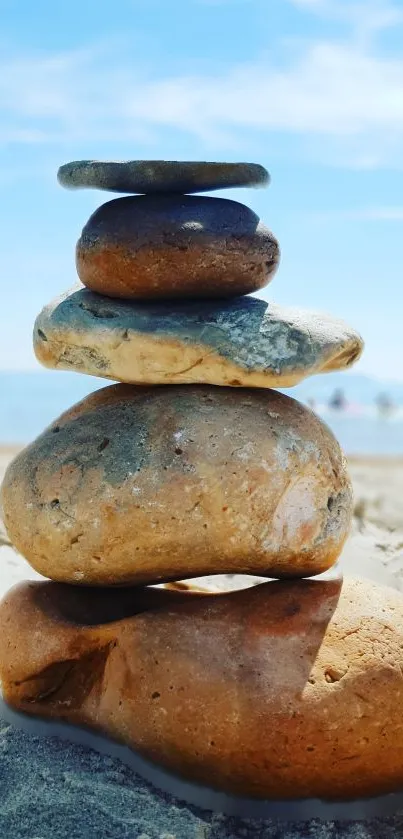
point(89, 333)
point(152, 176)
point(50, 788)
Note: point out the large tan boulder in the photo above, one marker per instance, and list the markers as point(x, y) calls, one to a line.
point(240, 342)
point(137, 485)
point(284, 690)
point(174, 246)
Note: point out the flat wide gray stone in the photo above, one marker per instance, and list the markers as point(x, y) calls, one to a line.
point(241, 342)
point(151, 176)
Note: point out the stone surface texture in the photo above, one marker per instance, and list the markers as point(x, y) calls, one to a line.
point(283, 690)
point(240, 342)
point(160, 176)
point(166, 246)
point(138, 484)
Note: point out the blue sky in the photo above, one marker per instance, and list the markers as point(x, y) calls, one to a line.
point(313, 89)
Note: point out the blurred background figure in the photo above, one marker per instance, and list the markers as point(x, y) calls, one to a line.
point(338, 401)
point(385, 405)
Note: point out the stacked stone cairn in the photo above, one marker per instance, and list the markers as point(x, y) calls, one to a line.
point(191, 466)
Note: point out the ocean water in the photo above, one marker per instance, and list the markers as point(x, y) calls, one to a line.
point(366, 433)
point(31, 401)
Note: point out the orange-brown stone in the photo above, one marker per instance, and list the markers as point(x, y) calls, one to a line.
point(147, 485)
point(284, 690)
point(152, 247)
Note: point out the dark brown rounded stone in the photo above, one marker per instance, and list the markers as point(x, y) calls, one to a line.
point(175, 246)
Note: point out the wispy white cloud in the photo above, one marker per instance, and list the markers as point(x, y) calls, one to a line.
point(380, 214)
point(309, 4)
point(362, 214)
point(343, 98)
point(221, 2)
point(364, 16)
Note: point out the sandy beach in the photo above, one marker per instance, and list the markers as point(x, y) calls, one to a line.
point(49, 787)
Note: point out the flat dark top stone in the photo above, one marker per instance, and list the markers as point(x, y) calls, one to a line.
point(160, 176)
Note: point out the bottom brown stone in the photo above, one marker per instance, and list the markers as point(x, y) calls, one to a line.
point(285, 690)
point(52, 789)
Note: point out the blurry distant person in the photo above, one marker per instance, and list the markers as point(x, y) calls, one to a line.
point(312, 403)
point(384, 404)
point(338, 401)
